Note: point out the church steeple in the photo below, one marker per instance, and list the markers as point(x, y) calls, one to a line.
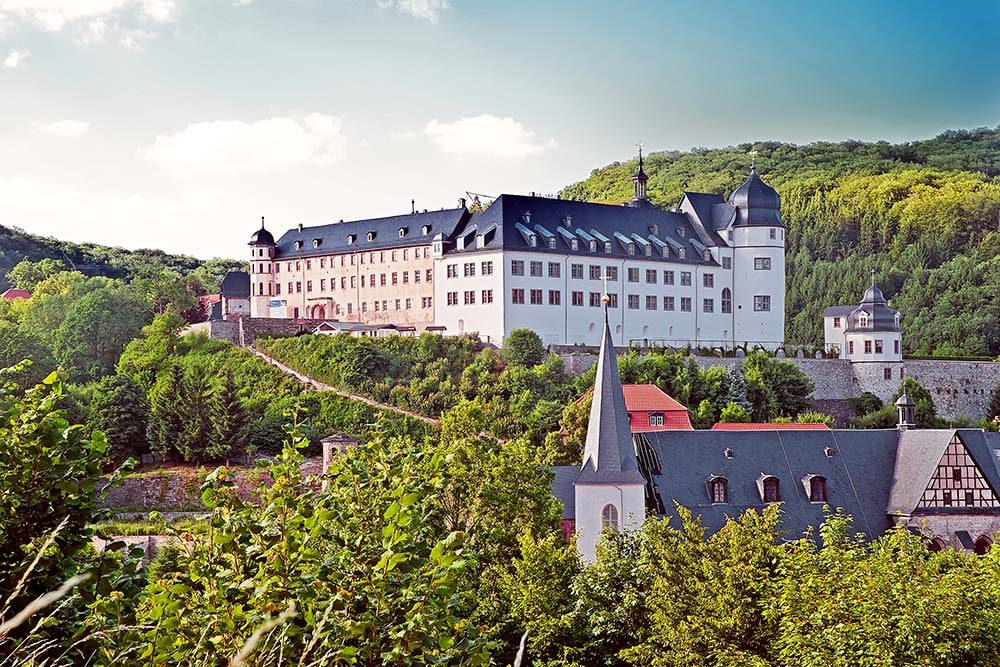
point(639, 183)
point(609, 455)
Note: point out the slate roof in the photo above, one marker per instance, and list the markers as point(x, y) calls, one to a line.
point(608, 453)
point(235, 285)
point(334, 238)
point(858, 474)
point(838, 311)
point(757, 203)
point(261, 236)
point(563, 488)
point(881, 318)
point(507, 219)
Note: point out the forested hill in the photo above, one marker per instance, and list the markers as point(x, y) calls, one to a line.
point(97, 260)
point(925, 215)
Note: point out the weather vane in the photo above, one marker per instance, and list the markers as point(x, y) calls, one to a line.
point(753, 158)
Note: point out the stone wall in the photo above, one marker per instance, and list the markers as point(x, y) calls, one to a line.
point(229, 329)
point(959, 388)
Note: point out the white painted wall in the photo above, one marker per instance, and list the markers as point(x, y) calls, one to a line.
point(590, 502)
point(748, 282)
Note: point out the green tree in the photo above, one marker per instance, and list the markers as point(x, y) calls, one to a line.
point(924, 411)
point(18, 343)
point(27, 274)
point(523, 347)
point(736, 388)
point(775, 388)
point(196, 430)
point(119, 409)
point(734, 413)
point(227, 418)
point(167, 415)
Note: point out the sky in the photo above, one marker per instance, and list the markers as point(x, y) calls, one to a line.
point(177, 124)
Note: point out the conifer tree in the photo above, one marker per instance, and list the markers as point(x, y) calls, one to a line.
point(227, 418)
point(736, 388)
point(196, 427)
point(166, 422)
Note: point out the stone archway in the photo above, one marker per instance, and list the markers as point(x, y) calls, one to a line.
point(318, 312)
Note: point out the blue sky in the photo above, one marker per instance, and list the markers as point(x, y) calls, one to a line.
point(177, 123)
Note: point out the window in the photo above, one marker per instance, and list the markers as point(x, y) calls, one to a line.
point(656, 420)
point(428, 275)
point(595, 299)
point(817, 489)
point(517, 296)
point(554, 269)
point(452, 298)
point(277, 288)
point(487, 296)
point(416, 276)
point(633, 275)
point(708, 306)
point(956, 475)
point(650, 276)
point(762, 303)
point(395, 278)
point(631, 248)
point(708, 280)
point(555, 297)
point(322, 284)
point(668, 277)
point(468, 269)
point(685, 278)
point(668, 303)
point(309, 265)
point(425, 302)
point(970, 498)
point(772, 490)
point(612, 301)
point(612, 273)
point(868, 347)
point(516, 267)
point(452, 271)
point(298, 287)
point(720, 490)
point(364, 307)
point(761, 263)
point(576, 271)
point(298, 266)
point(727, 300)
point(397, 304)
point(878, 346)
point(609, 517)
point(576, 298)
point(469, 297)
point(409, 303)
point(685, 304)
point(887, 373)
point(836, 323)
point(536, 297)
point(595, 272)
point(633, 302)
point(536, 269)
point(406, 277)
point(946, 498)
point(727, 263)
point(774, 233)
point(862, 320)
point(850, 347)
point(607, 247)
point(681, 253)
point(309, 286)
point(895, 346)
point(650, 302)
point(487, 268)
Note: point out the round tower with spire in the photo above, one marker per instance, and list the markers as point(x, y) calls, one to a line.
point(639, 181)
point(757, 236)
point(262, 270)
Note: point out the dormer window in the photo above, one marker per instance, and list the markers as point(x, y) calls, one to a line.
point(718, 489)
point(681, 253)
point(298, 245)
point(817, 489)
point(593, 246)
point(708, 255)
point(316, 243)
point(729, 236)
point(769, 488)
point(863, 320)
point(680, 232)
point(631, 248)
point(607, 247)
point(351, 238)
point(533, 240)
point(574, 244)
point(371, 236)
point(402, 232)
point(552, 243)
point(647, 250)
point(425, 230)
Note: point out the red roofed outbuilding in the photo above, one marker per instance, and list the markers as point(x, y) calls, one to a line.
point(769, 426)
point(13, 293)
point(651, 409)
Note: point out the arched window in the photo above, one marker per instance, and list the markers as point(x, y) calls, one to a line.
point(983, 544)
point(937, 544)
point(727, 300)
point(609, 517)
point(772, 490)
point(817, 489)
point(719, 488)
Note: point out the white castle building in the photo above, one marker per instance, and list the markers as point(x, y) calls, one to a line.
point(709, 273)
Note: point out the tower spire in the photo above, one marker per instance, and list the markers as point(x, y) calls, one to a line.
point(262, 222)
point(639, 182)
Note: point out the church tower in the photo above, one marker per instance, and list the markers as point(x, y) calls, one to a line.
point(757, 235)
point(610, 489)
point(262, 269)
point(639, 180)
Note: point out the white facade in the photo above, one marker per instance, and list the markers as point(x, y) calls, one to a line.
point(629, 505)
point(759, 285)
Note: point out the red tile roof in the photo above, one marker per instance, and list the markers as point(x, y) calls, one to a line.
point(643, 398)
point(13, 293)
point(771, 426)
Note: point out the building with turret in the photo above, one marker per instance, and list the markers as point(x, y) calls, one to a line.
point(711, 272)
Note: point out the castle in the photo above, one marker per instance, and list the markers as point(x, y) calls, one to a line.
point(709, 273)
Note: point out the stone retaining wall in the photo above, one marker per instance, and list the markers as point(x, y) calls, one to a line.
point(254, 326)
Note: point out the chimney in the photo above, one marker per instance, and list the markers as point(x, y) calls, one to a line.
point(904, 408)
point(461, 202)
point(300, 226)
point(413, 206)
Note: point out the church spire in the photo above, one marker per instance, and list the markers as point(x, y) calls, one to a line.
point(639, 182)
point(609, 454)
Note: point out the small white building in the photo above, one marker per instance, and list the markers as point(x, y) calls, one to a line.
point(868, 332)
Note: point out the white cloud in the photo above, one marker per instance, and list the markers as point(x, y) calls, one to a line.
point(95, 32)
point(429, 10)
point(161, 11)
point(486, 136)
point(15, 58)
point(63, 128)
point(132, 38)
point(236, 147)
point(56, 15)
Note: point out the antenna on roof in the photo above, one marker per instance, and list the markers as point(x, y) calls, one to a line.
point(413, 206)
point(262, 222)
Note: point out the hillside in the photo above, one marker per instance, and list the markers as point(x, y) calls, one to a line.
point(98, 260)
point(924, 214)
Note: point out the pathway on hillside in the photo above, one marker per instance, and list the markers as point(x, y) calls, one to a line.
point(316, 384)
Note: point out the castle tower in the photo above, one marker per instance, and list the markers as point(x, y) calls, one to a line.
point(758, 240)
point(610, 489)
point(262, 265)
point(871, 331)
